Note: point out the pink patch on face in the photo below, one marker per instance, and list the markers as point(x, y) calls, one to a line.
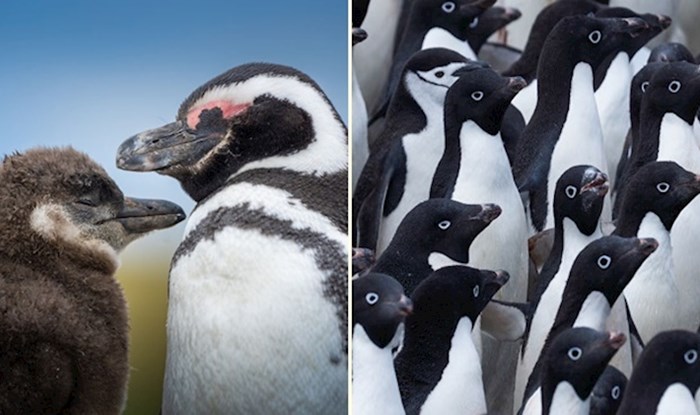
point(227, 107)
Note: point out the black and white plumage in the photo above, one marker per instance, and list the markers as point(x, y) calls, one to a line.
point(608, 391)
point(257, 300)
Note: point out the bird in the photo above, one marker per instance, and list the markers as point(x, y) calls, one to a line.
point(63, 316)
point(263, 152)
point(608, 391)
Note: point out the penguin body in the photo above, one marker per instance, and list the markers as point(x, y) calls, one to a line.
point(63, 316)
point(438, 367)
point(379, 308)
point(269, 172)
point(608, 391)
point(360, 145)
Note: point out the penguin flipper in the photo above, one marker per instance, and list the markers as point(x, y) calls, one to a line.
point(635, 338)
point(504, 321)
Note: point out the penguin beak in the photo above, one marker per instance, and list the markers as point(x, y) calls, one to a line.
point(664, 21)
point(635, 26)
point(494, 281)
point(511, 14)
point(158, 149)
point(515, 84)
point(358, 35)
point(594, 188)
point(647, 246)
point(614, 341)
point(144, 215)
point(489, 213)
point(405, 306)
point(362, 260)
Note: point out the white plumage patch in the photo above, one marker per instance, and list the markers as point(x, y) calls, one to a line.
point(438, 37)
point(676, 400)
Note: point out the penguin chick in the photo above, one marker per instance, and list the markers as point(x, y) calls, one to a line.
point(608, 391)
point(258, 287)
point(63, 318)
point(379, 307)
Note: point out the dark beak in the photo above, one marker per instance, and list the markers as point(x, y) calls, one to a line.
point(405, 306)
point(493, 283)
point(489, 212)
point(516, 83)
point(664, 21)
point(158, 149)
point(635, 26)
point(647, 246)
point(615, 341)
point(145, 215)
point(358, 35)
point(511, 14)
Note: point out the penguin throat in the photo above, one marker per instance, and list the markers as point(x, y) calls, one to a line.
point(565, 400)
point(677, 142)
point(593, 312)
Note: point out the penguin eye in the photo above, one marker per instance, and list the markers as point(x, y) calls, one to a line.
point(474, 22)
point(439, 74)
point(477, 95)
point(645, 85)
point(604, 261)
point(448, 7)
point(575, 353)
point(372, 298)
point(595, 36)
point(663, 187)
point(615, 393)
point(571, 191)
point(444, 224)
point(476, 291)
point(674, 87)
point(691, 356)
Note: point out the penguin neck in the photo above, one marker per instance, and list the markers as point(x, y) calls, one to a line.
point(659, 265)
point(607, 75)
point(439, 37)
point(645, 146)
point(677, 142)
point(373, 376)
point(568, 242)
point(442, 329)
point(559, 86)
point(409, 270)
point(429, 99)
point(561, 398)
point(404, 114)
point(637, 221)
point(579, 309)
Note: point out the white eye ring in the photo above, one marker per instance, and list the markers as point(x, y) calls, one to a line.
point(615, 393)
point(575, 353)
point(477, 95)
point(674, 87)
point(448, 7)
point(474, 22)
point(476, 291)
point(571, 191)
point(663, 187)
point(444, 224)
point(645, 85)
point(595, 36)
point(691, 356)
point(604, 262)
point(372, 298)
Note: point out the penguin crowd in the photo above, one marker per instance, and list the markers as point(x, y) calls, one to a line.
point(525, 221)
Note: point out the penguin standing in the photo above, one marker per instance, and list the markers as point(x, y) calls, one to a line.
point(474, 169)
point(608, 391)
point(578, 203)
point(378, 311)
point(438, 367)
point(566, 110)
point(63, 316)
point(666, 379)
point(264, 154)
point(653, 200)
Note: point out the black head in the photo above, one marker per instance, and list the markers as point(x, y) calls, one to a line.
point(608, 391)
point(430, 72)
point(482, 95)
point(579, 196)
point(640, 84)
point(455, 16)
point(663, 188)
point(671, 52)
point(655, 25)
point(674, 88)
point(58, 202)
point(444, 226)
point(492, 20)
point(607, 265)
point(359, 11)
point(589, 39)
point(255, 115)
point(454, 292)
point(379, 306)
point(578, 356)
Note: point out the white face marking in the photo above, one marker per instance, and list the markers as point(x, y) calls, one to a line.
point(441, 75)
point(663, 187)
point(477, 95)
point(438, 37)
point(691, 356)
point(575, 353)
point(595, 36)
point(571, 191)
point(444, 224)
point(474, 23)
point(448, 7)
point(674, 87)
point(475, 291)
point(615, 392)
point(644, 86)
point(372, 298)
point(604, 262)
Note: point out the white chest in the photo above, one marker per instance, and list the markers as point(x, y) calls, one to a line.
point(526, 100)
point(677, 143)
point(566, 401)
point(594, 312)
point(360, 146)
point(677, 399)
point(438, 37)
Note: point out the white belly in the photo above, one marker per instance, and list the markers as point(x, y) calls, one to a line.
point(360, 146)
point(677, 400)
point(526, 100)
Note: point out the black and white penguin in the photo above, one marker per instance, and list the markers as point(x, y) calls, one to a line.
point(63, 316)
point(475, 169)
point(526, 65)
point(666, 132)
point(491, 21)
point(572, 366)
point(360, 145)
point(566, 108)
point(666, 379)
point(404, 157)
point(608, 391)
point(653, 199)
point(578, 203)
point(599, 275)
point(438, 366)
point(379, 307)
point(264, 154)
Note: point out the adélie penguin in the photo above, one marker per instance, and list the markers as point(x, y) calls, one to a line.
point(571, 368)
point(653, 199)
point(666, 379)
point(63, 317)
point(379, 307)
point(578, 203)
point(438, 366)
point(566, 108)
point(360, 145)
point(475, 169)
point(264, 153)
point(608, 391)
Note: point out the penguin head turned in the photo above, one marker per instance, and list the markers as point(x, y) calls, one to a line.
point(379, 305)
point(674, 88)
point(60, 203)
point(254, 116)
point(655, 25)
point(579, 196)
